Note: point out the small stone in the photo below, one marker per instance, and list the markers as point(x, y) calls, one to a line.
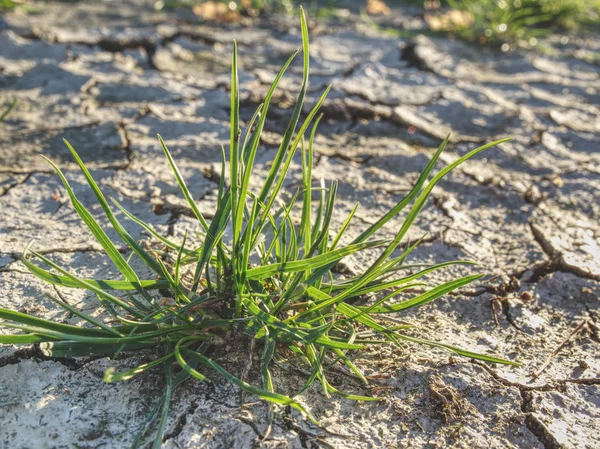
point(583, 364)
point(533, 195)
point(526, 296)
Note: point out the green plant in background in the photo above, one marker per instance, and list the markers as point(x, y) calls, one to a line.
point(25, 5)
point(7, 111)
point(227, 10)
point(260, 5)
point(509, 21)
point(8, 4)
point(262, 272)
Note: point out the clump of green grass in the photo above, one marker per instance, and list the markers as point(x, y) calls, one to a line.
point(270, 281)
point(506, 22)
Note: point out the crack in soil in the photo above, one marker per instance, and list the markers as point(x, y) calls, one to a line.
point(18, 182)
point(181, 421)
point(535, 425)
point(559, 263)
point(556, 385)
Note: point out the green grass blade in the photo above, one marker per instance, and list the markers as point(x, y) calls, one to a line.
point(251, 154)
point(21, 339)
point(378, 286)
point(18, 317)
point(158, 439)
point(84, 316)
point(459, 351)
point(408, 198)
point(182, 185)
point(64, 281)
point(8, 110)
point(290, 155)
point(191, 370)
point(293, 123)
point(234, 157)
point(88, 286)
point(147, 227)
point(116, 224)
point(342, 230)
point(145, 337)
point(297, 334)
point(96, 230)
point(429, 296)
point(110, 375)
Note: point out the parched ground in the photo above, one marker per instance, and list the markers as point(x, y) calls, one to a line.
point(109, 76)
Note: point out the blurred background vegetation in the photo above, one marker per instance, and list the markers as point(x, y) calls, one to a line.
point(500, 23)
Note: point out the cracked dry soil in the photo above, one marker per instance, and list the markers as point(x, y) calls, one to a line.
point(110, 75)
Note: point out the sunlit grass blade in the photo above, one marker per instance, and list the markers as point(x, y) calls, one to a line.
point(289, 132)
point(251, 153)
point(167, 402)
point(290, 155)
point(116, 224)
point(146, 337)
point(297, 334)
point(22, 339)
point(311, 263)
point(40, 323)
point(147, 227)
point(65, 281)
point(85, 285)
point(383, 285)
point(69, 349)
point(342, 230)
point(96, 230)
point(408, 198)
point(429, 296)
point(459, 351)
point(111, 376)
point(182, 185)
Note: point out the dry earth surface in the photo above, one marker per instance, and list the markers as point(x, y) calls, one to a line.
point(110, 75)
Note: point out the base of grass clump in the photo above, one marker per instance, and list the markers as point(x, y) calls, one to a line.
point(270, 282)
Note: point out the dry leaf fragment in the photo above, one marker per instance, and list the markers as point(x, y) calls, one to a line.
point(378, 8)
point(449, 21)
point(216, 11)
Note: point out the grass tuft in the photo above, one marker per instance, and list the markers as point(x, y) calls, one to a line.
point(270, 280)
point(510, 22)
